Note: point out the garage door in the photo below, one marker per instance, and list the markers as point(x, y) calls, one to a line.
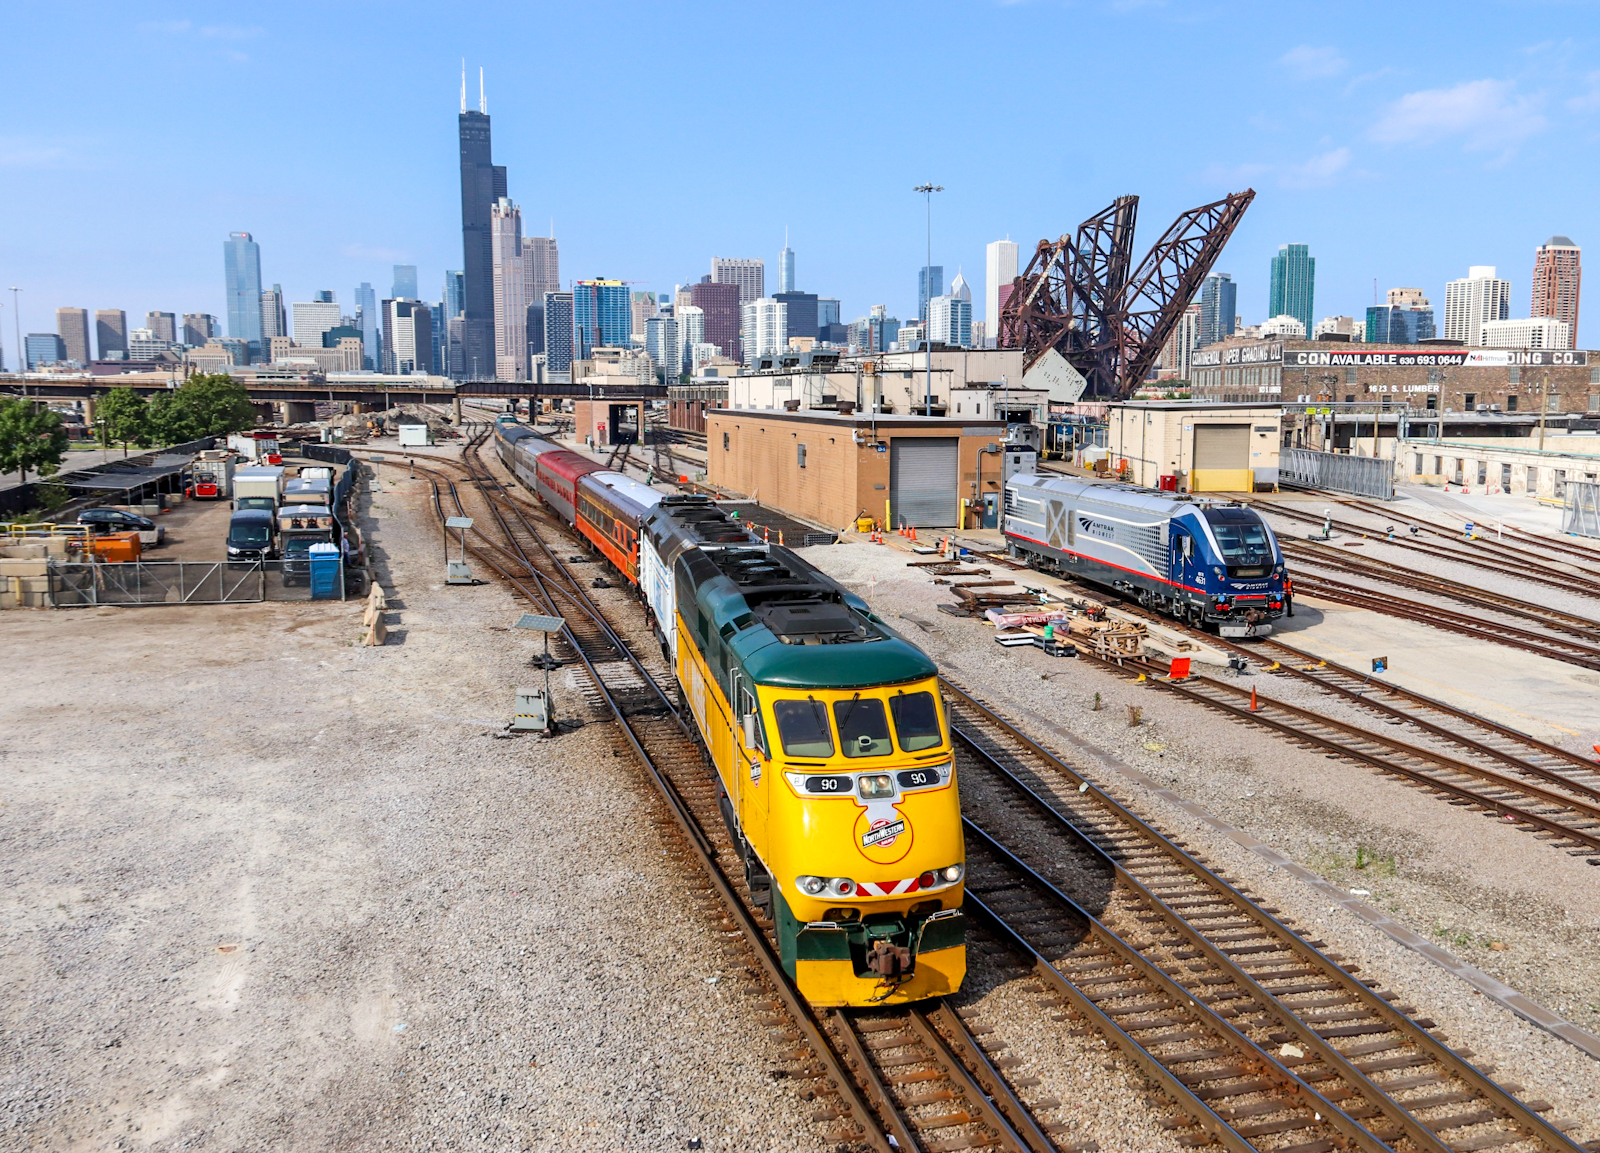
point(923, 480)
point(1221, 459)
point(1221, 446)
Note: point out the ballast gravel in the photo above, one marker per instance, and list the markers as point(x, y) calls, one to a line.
point(266, 889)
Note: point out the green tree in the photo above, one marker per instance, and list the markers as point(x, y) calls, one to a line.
point(124, 416)
point(31, 437)
point(209, 404)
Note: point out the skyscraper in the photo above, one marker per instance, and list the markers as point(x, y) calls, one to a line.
point(749, 275)
point(312, 318)
point(786, 265)
point(1294, 284)
point(691, 328)
point(1557, 277)
point(405, 282)
point(601, 316)
point(763, 329)
point(720, 303)
point(661, 342)
point(1178, 352)
point(367, 321)
point(541, 262)
point(510, 292)
point(408, 337)
point(1219, 306)
point(163, 324)
point(800, 311)
point(482, 183)
point(1478, 297)
point(73, 325)
point(241, 261)
point(1405, 319)
point(999, 270)
point(198, 328)
point(641, 307)
point(274, 317)
point(43, 348)
point(111, 333)
point(950, 320)
point(558, 343)
point(930, 283)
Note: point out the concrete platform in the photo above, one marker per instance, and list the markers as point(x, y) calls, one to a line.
point(1544, 698)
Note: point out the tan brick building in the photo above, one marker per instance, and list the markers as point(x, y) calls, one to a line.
point(827, 467)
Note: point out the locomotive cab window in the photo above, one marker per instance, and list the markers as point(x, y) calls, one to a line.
point(1244, 544)
point(803, 728)
point(863, 727)
point(916, 721)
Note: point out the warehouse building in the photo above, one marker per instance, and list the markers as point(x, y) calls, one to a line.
point(1429, 378)
point(1194, 446)
point(828, 467)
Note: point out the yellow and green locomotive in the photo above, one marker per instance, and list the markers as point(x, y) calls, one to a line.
point(832, 746)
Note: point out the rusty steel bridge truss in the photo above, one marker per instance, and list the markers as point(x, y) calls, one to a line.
point(1079, 298)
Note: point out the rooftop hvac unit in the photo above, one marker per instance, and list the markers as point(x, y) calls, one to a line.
point(1483, 408)
point(1494, 408)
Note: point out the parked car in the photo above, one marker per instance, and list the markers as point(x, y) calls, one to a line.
point(104, 520)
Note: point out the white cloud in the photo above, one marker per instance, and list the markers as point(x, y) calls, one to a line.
point(1320, 169)
point(1486, 113)
point(29, 153)
point(1314, 63)
point(1590, 100)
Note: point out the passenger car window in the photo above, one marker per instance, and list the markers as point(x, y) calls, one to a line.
point(863, 727)
point(803, 728)
point(916, 721)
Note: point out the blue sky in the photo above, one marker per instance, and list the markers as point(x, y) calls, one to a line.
point(1402, 142)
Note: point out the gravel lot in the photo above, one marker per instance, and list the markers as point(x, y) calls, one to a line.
point(265, 889)
point(1510, 904)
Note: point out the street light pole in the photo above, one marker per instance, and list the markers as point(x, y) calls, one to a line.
point(927, 191)
point(16, 316)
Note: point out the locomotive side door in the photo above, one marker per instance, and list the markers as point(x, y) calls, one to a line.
point(1182, 559)
point(749, 764)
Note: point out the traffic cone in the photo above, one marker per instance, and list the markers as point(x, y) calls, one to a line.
point(1253, 699)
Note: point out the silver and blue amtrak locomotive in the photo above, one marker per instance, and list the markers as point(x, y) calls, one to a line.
point(1205, 561)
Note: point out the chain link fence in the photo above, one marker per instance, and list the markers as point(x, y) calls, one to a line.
point(83, 584)
point(1337, 472)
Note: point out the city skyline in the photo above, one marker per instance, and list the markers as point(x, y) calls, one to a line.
point(1343, 132)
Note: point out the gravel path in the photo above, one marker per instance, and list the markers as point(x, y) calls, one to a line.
point(267, 889)
point(1509, 904)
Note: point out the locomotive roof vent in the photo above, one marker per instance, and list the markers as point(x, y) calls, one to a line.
point(813, 623)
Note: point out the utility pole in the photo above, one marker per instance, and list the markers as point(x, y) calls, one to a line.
point(927, 191)
point(1544, 407)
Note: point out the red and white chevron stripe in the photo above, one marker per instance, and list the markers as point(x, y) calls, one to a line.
point(888, 888)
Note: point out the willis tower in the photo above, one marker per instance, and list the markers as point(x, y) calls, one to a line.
point(482, 183)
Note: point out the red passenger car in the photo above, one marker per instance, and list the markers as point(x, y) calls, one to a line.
point(558, 474)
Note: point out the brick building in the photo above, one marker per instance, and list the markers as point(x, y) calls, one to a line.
point(1427, 378)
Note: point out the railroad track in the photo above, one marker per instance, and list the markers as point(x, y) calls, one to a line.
point(1493, 742)
point(1330, 556)
point(1241, 1008)
point(1483, 553)
point(1587, 555)
point(1570, 652)
point(918, 1075)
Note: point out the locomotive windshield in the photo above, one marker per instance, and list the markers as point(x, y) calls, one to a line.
point(803, 728)
point(1242, 538)
point(863, 727)
point(916, 720)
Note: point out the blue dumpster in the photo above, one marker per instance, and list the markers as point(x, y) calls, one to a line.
point(324, 571)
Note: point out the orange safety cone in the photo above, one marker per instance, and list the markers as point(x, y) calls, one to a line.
point(1253, 699)
point(780, 536)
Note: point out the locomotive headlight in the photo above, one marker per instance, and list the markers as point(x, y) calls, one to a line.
point(1218, 572)
point(950, 874)
point(841, 886)
point(875, 785)
point(811, 885)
